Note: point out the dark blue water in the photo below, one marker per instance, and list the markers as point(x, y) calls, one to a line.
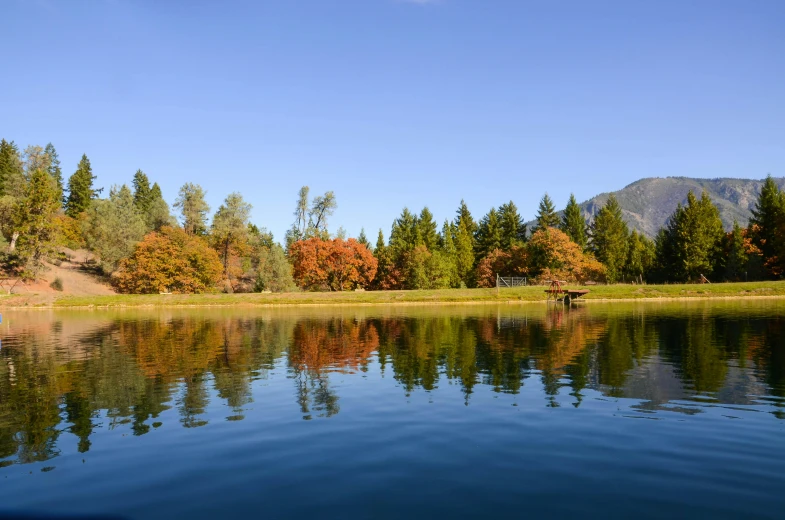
point(647, 410)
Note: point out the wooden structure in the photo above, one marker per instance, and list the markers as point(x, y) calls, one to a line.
point(557, 292)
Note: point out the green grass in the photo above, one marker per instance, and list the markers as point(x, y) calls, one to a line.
point(523, 294)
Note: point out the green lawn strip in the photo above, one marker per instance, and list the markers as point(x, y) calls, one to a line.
point(531, 293)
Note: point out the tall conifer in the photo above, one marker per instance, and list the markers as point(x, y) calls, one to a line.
point(546, 214)
point(80, 188)
point(573, 224)
point(609, 235)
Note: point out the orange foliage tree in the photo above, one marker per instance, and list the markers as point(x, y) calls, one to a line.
point(503, 263)
point(336, 265)
point(551, 254)
point(169, 260)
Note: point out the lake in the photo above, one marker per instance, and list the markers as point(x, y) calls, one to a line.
point(603, 410)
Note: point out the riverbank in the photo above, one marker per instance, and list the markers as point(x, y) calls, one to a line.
point(452, 296)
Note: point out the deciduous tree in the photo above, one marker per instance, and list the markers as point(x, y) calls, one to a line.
point(169, 260)
point(229, 231)
point(113, 227)
point(336, 264)
point(193, 209)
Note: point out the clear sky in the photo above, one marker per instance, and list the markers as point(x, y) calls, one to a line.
point(394, 103)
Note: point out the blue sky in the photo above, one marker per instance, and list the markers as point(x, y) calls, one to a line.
point(394, 103)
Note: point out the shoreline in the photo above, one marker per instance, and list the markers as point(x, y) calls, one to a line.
point(456, 297)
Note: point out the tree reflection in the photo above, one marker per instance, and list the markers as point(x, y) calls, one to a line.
point(127, 373)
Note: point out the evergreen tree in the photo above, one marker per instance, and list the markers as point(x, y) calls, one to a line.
point(736, 255)
point(464, 215)
point(275, 271)
point(546, 214)
point(513, 229)
point(80, 189)
point(449, 254)
point(385, 270)
point(405, 234)
point(362, 239)
point(691, 244)
point(54, 167)
point(464, 230)
point(427, 229)
point(610, 237)
point(464, 253)
point(640, 256)
point(573, 224)
point(193, 209)
point(142, 194)
point(35, 217)
point(768, 217)
point(12, 180)
point(157, 214)
point(489, 235)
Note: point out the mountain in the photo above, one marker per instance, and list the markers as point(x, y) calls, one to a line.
point(648, 203)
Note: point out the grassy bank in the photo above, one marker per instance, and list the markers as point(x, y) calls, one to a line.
point(522, 294)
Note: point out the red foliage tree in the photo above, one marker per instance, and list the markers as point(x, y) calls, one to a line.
point(336, 265)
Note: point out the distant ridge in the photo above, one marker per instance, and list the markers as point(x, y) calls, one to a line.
point(648, 203)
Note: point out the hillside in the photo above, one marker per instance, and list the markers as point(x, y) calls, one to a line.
point(648, 203)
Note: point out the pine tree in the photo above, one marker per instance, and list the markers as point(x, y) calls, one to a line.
point(573, 224)
point(464, 215)
point(464, 253)
point(193, 208)
point(35, 217)
point(513, 229)
point(546, 214)
point(691, 244)
point(142, 194)
point(768, 217)
point(489, 235)
point(610, 237)
point(12, 180)
point(427, 227)
point(158, 213)
point(80, 189)
point(736, 256)
point(54, 167)
point(640, 256)
point(362, 239)
point(405, 234)
point(449, 253)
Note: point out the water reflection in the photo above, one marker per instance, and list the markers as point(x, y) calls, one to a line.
point(75, 373)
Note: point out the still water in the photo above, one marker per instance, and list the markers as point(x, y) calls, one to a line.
point(651, 410)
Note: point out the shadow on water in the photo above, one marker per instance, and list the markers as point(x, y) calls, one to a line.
point(61, 373)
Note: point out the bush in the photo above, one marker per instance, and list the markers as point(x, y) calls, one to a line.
point(57, 284)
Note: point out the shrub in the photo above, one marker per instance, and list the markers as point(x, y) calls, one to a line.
point(57, 284)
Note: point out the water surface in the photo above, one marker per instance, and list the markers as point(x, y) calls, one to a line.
point(651, 409)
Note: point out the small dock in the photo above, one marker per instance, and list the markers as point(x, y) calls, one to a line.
point(557, 292)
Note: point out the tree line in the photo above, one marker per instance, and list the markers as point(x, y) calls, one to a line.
point(143, 248)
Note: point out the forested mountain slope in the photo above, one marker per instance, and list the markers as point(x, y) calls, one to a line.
point(648, 203)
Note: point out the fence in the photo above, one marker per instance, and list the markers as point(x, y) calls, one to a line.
point(510, 281)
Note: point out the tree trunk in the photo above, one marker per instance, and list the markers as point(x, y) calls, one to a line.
point(14, 238)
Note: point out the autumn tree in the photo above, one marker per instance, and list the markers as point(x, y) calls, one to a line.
point(546, 214)
point(550, 254)
point(336, 264)
point(229, 231)
point(169, 260)
point(736, 258)
point(193, 208)
point(512, 262)
point(113, 227)
point(80, 189)
point(573, 223)
point(610, 238)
